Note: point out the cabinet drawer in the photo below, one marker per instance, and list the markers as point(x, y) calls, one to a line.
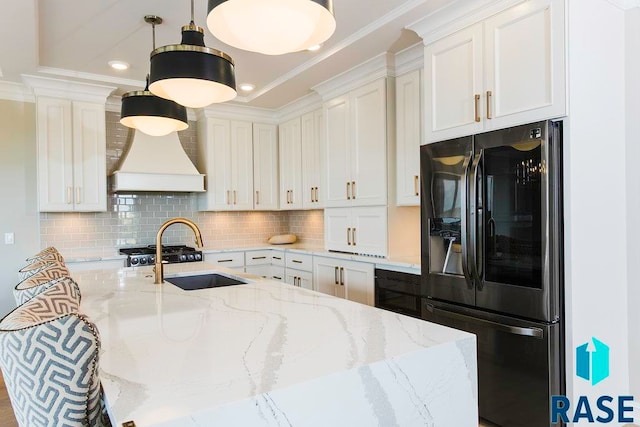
point(226, 259)
point(258, 257)
point(299, 261)
point(277, 258)
point(277, 273)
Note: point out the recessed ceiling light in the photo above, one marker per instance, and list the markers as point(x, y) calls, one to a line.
point(118, 65)
point(314, 47)
point(247, 87)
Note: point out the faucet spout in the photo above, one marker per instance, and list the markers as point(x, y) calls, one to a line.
point(159, 279)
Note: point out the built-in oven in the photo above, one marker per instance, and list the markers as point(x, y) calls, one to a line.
point(398, 291)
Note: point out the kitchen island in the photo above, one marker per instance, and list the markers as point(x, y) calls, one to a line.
point(266, 353)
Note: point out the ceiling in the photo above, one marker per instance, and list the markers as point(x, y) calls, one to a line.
point(75, 39)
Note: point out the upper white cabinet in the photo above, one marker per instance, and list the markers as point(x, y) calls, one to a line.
point(265, 167)
point(361, 230)
point(312, 130)
point(356, 144)
point(290, 164)
point(225, 156)
point(72, 172)
point(504, 71)
point(408, 137)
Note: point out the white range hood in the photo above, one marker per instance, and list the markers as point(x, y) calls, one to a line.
point(156, 163)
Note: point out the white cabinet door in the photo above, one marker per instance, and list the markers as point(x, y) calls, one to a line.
point(358, 279)
point(55, 155)
point(326, 276)
point(453, 85)
point(408, 138)
point(368, 149)
point(290, 165)
point(259, 270)
point(242, 165)
point(524, 64)
point(72, 172)
point(337, 168)
point(214, 161)
point(312, 128)
point(369, 230)
point(265, 167)
point(337, 223)
point(301, 279)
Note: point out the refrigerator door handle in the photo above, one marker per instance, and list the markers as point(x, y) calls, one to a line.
point(514, 330)
point(463, 221)
point(475, 221)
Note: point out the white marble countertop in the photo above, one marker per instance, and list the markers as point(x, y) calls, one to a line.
point(267, 353)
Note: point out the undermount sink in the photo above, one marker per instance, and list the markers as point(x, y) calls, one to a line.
point(203, 281)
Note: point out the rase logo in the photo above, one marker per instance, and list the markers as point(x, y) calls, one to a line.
point(592, 364)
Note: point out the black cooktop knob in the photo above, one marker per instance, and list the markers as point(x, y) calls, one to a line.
point(190, 257)
point(134, 261)
point(198, 257)
point(183, 257)
point(143, 261)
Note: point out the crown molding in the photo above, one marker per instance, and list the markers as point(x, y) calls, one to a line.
point(455, 16)
point(46, 86)
point(379, 66)
point(409, 59)
point(300, 106)
point(103, 78)
point(238, 112)
point(12, 91)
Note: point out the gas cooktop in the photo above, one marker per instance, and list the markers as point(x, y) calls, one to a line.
point(146, 255)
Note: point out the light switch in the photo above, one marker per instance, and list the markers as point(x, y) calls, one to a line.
point(9, 238)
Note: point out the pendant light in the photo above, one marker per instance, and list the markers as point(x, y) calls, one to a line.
point(271, 27)
point(148, 113)
point(190, 73)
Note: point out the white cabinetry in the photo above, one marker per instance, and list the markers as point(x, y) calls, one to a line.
point(264, 263)
point(356, 143)
point(72, 172)
point(504, 71)
point(225, 156)
point(290, 165)
point(299, 269)
point(226, 259)
point(408, 137)
point(346, 279)
point(312, 130)
point(361, 230)
point(265, 167)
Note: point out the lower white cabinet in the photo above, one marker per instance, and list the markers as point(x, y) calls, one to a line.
point(299, 278)
point(299, 269)
point(352, 280)
point(359, 230)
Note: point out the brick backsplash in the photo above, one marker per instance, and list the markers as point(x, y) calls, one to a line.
point(134, 219)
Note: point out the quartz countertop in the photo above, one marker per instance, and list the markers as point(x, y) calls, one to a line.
point(268, 353)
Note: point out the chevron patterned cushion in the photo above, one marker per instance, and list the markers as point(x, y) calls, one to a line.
point(53, 256)
point(44, 252)
point(49, 358)
point(30, 288)
point(43, 272)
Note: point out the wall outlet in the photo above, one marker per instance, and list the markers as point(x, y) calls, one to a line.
point(9, 238)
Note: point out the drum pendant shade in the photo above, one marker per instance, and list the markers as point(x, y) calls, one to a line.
point(271, 27)
point(192, 74)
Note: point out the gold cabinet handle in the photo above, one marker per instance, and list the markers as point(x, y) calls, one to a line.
point(353, 236)
point(69, 195)
point(342, 276)
point(335, 275)
point(257, 197)
point(228, 197)
point(349, 236)
point(78, 195)
point(477, 107)
point(348, 191)
point(353, 190)
point(317, 197)
point(235, 197)
point(489, 93)
point(291, 191)
point(416, 184)
point(311, 194)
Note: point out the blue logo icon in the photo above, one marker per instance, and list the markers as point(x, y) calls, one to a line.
point(592, 364)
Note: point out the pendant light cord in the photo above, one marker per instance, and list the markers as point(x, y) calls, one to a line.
point(192, 19)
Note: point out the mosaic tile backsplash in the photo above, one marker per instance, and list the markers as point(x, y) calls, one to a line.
point(134, 219)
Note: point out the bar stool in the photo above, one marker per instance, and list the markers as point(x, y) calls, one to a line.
point(49, 358)
point(54, 266)
point(32, 286)
point(43, 253)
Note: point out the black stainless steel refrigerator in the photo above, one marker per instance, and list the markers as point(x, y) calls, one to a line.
point(492, 261)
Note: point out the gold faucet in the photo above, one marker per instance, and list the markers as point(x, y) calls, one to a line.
point(158, 266)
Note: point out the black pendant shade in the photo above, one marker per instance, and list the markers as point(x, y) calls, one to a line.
point(151, 114)
point(190, 73)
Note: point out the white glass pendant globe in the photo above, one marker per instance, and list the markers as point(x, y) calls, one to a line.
point(271, 27)
point(192, 93)
point(153, 125)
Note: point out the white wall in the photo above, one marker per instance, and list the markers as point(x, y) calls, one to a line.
point(18, 213)
point(633, 194)
point(595, 192)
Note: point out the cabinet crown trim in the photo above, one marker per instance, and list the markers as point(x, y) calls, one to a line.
point(75, 91)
